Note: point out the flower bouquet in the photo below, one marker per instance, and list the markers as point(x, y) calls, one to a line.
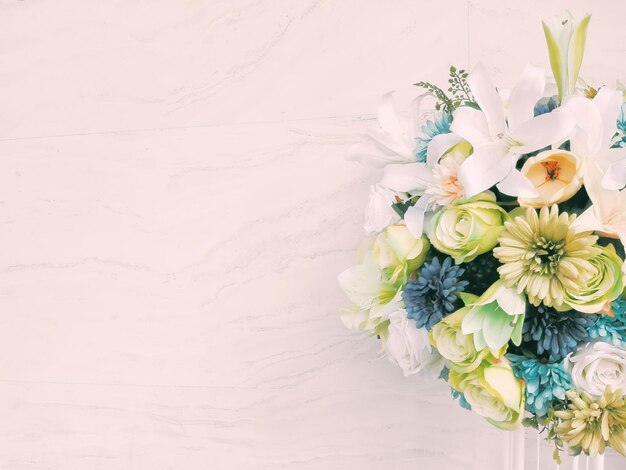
point(495, 255)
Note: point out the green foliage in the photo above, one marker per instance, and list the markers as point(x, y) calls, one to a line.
point(402, 206)
point(461, 95)
point(443, 102)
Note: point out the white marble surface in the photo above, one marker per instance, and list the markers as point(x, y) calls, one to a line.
point(175, 207)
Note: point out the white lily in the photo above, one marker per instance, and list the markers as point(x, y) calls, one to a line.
point(500, 139)
point(416, 178)
point(394, 140)
point(596, 124)
point(607, 214)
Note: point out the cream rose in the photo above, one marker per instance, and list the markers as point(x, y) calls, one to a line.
point(556, 174)
point(409, 347)
point(597, 366)
point(494, 393)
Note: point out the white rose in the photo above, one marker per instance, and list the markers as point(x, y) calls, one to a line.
point(409, 347)
point(596, 366)
point(379, 213)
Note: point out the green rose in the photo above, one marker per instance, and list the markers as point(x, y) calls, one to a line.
point(494, 393)
point(455, 347)
point(468, 228)
point(603, 288)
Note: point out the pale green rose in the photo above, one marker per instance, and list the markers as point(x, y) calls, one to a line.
point(468, 228)
point(603, 288)
point(385, 263)
point(455, 347)
point(494, 393)
point(495, 318)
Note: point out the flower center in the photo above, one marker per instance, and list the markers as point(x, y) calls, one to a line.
point(552, 169)
point(546, 255)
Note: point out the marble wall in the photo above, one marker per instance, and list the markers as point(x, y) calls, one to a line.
point(175, 206)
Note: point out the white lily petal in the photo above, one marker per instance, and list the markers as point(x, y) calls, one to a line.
point(484, 168)
point(615, 176)
point(516, 184)
point(415, 115)
point(488, 99)
point(471, 124)
point(414, 216)
point(543, 131)
point(512, 302)
point(588, 136)
point(524, 96)
point(439, 145)
point(587, 221)
point(400, 145)
point(361, 283)
point(389, 118)
point(609, 103)
point(407, 178)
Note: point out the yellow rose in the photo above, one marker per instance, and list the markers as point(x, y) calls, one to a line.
point(557, 176)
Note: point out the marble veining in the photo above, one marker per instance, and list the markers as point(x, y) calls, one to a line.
point(175, 207)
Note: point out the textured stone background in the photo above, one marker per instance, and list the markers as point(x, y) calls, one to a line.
point(175, 206)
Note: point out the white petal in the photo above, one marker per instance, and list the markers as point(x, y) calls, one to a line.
point(516, 184)
point(414, 216)
point(543, 131)
point(400, 145)
point(389, 118)
point(615, 176)
point(488, 99)
point(484, 168)
point(361, 284)
point(511, 302)
point(380, 214)
point(609, 103)
point(407, 178)
point(588, 135)
point(471, 124)
point(525, 95)
point(415, 116)
point(439, 145)
point(587, 221)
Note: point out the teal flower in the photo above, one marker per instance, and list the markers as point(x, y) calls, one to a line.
point(439, 125)
point(546, 383)
point(609, 330)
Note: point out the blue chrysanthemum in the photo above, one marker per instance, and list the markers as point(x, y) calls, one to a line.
point(545, 383)
point(619, 140)
point(434, 293)
point(608, 329)
point(439, 125)
point(546, 105)
point(556, 334)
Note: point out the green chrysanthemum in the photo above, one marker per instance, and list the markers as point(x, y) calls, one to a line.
point(589, 425)
point(543, 256)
